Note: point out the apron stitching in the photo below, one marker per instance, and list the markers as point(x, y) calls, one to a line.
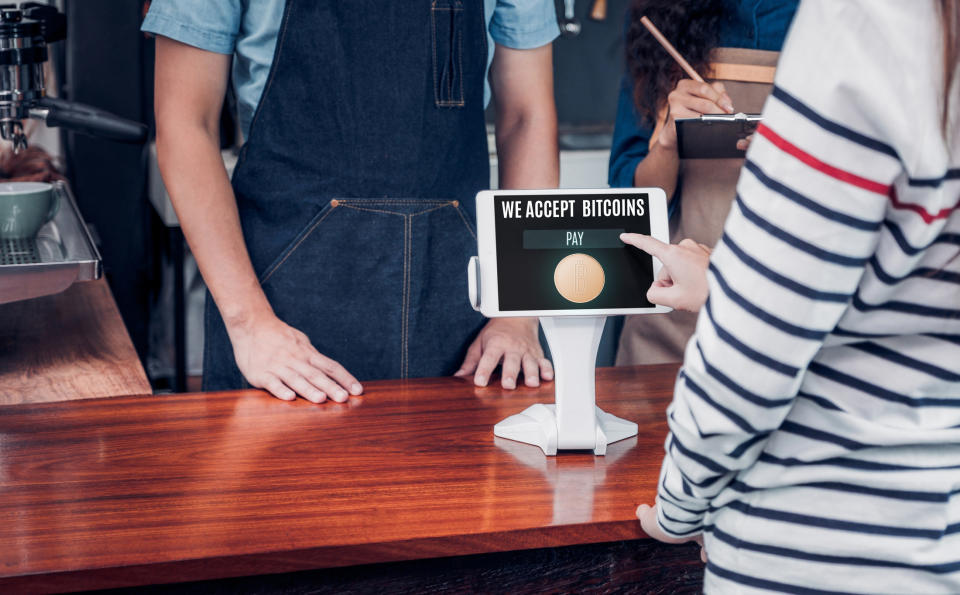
point(404, 335)
point(403, 305)
point(294, 248)
point(406, 344)
point(465, 222)
point(403, 299)
point(447, 204)
point(433, 46)
point(394, 212)
point(436, 91)
point(483, 36)
point(349, 206)
point(392, 201)
point(460, 65)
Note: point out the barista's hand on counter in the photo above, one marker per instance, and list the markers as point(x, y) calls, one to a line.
point(692, 99)
point(274, 356)
point(514, 341)
point(682, 283)
point(648, 520)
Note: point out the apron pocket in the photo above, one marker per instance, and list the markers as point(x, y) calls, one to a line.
point(446, 16)
point(304, 233)
point(387, 206)
point(380, 285)
point(467, 219)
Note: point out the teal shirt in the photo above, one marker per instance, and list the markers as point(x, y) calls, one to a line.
point(248, 29)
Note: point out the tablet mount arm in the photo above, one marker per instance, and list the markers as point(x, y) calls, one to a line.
point(573, 422)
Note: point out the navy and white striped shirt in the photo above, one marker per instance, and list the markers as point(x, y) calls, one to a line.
point(815, 428)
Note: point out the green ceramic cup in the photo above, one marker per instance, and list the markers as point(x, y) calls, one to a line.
point(25, 207)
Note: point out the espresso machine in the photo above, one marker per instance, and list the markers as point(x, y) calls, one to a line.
point(63, 251)
point(25, 31)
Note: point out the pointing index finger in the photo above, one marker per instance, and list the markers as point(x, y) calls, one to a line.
point(648, 244)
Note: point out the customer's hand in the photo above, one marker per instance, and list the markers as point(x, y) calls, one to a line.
point(515, 342)
point(692, 99)
point(274, 356)
point(648, 520)
point(682, 283)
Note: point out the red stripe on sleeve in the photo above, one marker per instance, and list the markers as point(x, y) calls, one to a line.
point(853, 179)
point(927, 216)
point(834, 172)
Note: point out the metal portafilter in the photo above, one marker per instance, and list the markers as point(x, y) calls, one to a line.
point(25, 31)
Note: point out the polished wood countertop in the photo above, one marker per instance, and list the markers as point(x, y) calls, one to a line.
point(139, 490)
point(72, 345)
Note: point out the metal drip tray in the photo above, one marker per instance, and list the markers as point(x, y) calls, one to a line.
point(62, 253)
point(19, 252)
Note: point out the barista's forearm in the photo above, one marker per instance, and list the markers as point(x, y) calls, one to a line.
point(195, 177)
point(527, 151)
point(190, 85)
point(522, 83)
point(659, 169)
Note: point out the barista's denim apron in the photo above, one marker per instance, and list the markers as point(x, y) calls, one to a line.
point(356, 185)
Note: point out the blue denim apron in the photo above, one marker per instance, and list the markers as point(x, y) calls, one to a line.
point(356, 185)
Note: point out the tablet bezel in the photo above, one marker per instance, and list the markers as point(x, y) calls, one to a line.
point(489, 287)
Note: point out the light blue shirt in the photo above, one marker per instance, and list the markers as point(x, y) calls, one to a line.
point(248, 29)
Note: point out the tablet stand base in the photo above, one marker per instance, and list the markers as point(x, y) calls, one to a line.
point(574, 422)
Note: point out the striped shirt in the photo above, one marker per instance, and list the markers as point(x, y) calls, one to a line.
point(815, 427)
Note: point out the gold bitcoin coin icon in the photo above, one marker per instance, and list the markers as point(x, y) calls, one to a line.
point(579, 278)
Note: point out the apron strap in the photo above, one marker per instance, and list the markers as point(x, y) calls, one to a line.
point(747, 73)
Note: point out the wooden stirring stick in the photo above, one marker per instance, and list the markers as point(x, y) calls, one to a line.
point(671, 50)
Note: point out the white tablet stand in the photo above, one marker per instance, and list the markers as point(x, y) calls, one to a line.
point(573, 328)
point(574, 422)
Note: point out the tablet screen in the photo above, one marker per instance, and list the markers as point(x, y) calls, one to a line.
point(563, 251)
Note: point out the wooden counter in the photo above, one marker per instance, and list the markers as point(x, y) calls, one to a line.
point(72, 345)
point(134, 490)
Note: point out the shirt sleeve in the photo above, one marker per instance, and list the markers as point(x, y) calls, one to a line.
point(631, 139)
point(810, 203)
point(524, 24)
point(210, 26)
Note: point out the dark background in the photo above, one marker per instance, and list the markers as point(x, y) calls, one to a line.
point(588, 68)
point(108, 63)
point(525, 277)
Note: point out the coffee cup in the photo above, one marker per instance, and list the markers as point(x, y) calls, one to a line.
point(25, 207)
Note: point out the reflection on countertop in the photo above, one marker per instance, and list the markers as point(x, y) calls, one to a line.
point(574, 477)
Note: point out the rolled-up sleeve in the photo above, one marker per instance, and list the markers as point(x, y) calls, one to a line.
point(524, 24)
point(211, 26)
point(631, 139)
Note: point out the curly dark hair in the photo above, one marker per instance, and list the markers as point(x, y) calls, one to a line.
point(692, 26)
